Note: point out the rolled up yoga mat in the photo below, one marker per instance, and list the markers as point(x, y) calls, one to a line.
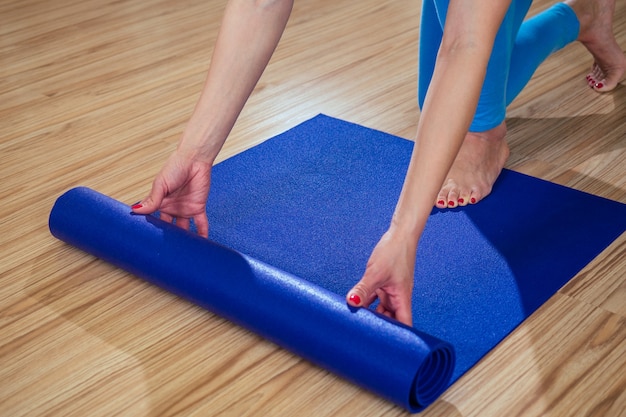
point(293, 222)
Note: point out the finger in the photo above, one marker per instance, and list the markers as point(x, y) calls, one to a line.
point(364, 292)
point(404, 314)
point(384, 303)
point(202, 225)
point(399, 310)
point(153, 201)
point(384, 312)
point(182, 222)
point(166, 217)
point(380, 308)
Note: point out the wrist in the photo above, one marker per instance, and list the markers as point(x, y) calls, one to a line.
point(195, 153)
point(407, 228)
point(198, 146)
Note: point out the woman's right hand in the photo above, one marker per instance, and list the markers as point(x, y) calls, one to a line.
point(179, 192)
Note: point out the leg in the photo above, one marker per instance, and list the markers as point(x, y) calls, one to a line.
point(596, 33)
point(519, 48)
point(484, 151)
point(431, 33)
point(537, 38)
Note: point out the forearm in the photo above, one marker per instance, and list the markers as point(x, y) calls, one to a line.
point(445, 118)
point(448, 108)
point(248, 36)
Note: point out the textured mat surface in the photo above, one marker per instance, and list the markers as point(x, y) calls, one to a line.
point(293, 221)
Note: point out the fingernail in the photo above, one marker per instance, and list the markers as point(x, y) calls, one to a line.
point(461, 200)
point(599, 85)
point(473, 200)
point(441, 202)
point(355, 299)
point(137, 206)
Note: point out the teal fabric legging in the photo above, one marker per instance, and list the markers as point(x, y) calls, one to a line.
point(519, 48)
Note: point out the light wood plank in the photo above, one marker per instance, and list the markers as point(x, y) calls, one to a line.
point(97, 92)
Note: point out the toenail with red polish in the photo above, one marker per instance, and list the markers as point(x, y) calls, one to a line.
point(451, 203)
point(599, 85)
point(473, 200)
point(355, 299)
point(441, 202)
point(461, 201)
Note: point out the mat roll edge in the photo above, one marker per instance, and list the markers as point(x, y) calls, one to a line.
point(399, 363)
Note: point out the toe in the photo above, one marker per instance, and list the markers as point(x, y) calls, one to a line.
point(474, 197)
point(442, 197)
point(607, 84)
point(464, 199)
point(453, 197)
point(594, 76)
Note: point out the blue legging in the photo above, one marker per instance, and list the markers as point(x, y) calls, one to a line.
point(519, 48)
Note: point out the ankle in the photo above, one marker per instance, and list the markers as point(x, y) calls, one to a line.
point(492, 135)
point(584, 15)
point(594, 16)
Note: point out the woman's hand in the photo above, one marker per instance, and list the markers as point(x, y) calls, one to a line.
point(248, 36)
point(388, 277)
point(180, 192)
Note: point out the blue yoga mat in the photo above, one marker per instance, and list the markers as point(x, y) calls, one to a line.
point(293, 222)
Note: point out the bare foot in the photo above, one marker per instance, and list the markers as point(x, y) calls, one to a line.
point(477, 166)
point(596, 33)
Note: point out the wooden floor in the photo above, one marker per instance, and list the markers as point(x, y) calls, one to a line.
point(96, 93)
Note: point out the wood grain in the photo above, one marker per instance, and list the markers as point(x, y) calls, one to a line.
point(97, 92)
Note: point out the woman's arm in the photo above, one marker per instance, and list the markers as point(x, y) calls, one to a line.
point(247, 39)
point(447, 112)
point(249, 34)
point(449, 106)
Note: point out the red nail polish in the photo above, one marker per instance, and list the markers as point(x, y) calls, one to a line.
point(441, 202)
point(599, 85)
point(355, 299)
point(451, 203)
point(137, 206)
point(461, 201)
point(473, 200)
